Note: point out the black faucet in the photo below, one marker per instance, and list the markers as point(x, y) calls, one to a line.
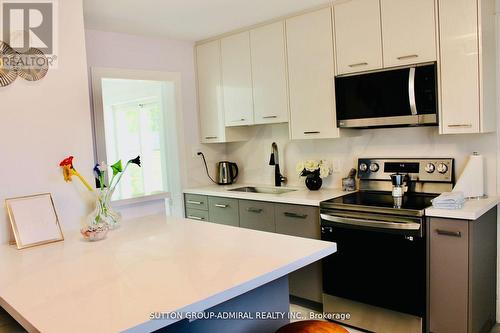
point(278, 177)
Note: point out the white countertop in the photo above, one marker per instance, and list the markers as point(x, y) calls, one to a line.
point(302, 196)
point(153, 264)
point(472, 209)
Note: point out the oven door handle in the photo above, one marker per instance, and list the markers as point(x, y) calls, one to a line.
point(371, 223)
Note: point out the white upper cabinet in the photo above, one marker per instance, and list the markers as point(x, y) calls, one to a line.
point(210, 97)
point(210, 92)
point(358, 36)
point(284, 71)
point(408, 31)
point(467, 57)
point(311, 76)
point(269, 74)
point(237, 79)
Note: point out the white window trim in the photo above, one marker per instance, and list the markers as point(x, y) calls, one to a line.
point(99, 73)
point(141, 199)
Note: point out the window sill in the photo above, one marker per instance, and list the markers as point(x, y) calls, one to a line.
point(141, 199)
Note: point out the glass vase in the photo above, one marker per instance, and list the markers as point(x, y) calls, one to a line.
point(102, 219)
point(314, 182)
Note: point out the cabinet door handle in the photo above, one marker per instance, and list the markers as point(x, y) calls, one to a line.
point(270, 117)
point(460, 125)
point(312, 132)
point(211, 137)
point(358, 64)
point(254, 210)
point(221, 206)
point(194, 202)
point(449, 233)
point(295, 215)
point(195, 218)
point(410, 56)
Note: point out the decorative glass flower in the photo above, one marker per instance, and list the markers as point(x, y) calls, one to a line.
point(97, 171)
point(117, 167)
point(69, 171)
point(136, 160)
point(68, 161)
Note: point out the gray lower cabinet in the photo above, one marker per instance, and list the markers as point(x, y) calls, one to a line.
point(197, 214)
point(196, 201)
point(462, 274)
point(302, 221)
point(196, 207)
point(294, 220)
point(257, 215)
point(223, 211)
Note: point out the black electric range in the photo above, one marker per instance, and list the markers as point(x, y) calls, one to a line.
point(378, 273)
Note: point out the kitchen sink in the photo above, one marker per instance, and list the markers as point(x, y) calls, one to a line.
point(264, 190)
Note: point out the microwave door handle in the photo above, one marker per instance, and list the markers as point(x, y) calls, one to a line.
point(411, 92)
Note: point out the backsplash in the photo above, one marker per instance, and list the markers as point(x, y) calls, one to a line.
point(253, 156)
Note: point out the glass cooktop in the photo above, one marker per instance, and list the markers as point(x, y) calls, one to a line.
point(381, 199)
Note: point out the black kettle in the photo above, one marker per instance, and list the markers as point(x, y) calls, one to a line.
point(226, 172)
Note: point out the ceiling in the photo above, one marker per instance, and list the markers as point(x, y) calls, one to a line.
point(186, 19)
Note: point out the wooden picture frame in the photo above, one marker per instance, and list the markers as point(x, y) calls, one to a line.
point(33, 220)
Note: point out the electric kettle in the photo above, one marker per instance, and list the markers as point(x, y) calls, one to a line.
point(226, 172)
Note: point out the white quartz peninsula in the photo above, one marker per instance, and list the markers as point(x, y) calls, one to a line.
point(153, 264)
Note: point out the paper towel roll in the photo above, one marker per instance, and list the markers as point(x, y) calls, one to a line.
point(471, 181)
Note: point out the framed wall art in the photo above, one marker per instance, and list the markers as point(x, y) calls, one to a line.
point(33, 220)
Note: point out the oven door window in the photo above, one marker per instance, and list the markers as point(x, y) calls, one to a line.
point(377, 268)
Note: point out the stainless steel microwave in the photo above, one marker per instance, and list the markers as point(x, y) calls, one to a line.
point(389, 98)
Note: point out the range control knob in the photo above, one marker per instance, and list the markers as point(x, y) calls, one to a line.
point(442, 168)
point(430, 168)
point(374, 167)
point(363, 167)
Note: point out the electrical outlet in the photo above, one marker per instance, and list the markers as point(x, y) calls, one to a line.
point(195, 150)
point(336, 166)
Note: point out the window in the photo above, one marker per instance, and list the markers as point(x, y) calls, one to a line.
point(135, 114)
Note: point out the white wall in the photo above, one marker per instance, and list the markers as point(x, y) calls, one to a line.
point(253, 156)
point(43, 122)
point(116, 50)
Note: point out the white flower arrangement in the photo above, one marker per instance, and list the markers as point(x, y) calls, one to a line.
point(311, 167)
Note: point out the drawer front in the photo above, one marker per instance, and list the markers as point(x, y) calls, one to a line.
point(302, 221)
point(257, 215)
point(197, 214)
point(223, 211)
point(197, 201)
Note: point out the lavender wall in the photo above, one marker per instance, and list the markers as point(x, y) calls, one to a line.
point(117, 50)
point(45, 121)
